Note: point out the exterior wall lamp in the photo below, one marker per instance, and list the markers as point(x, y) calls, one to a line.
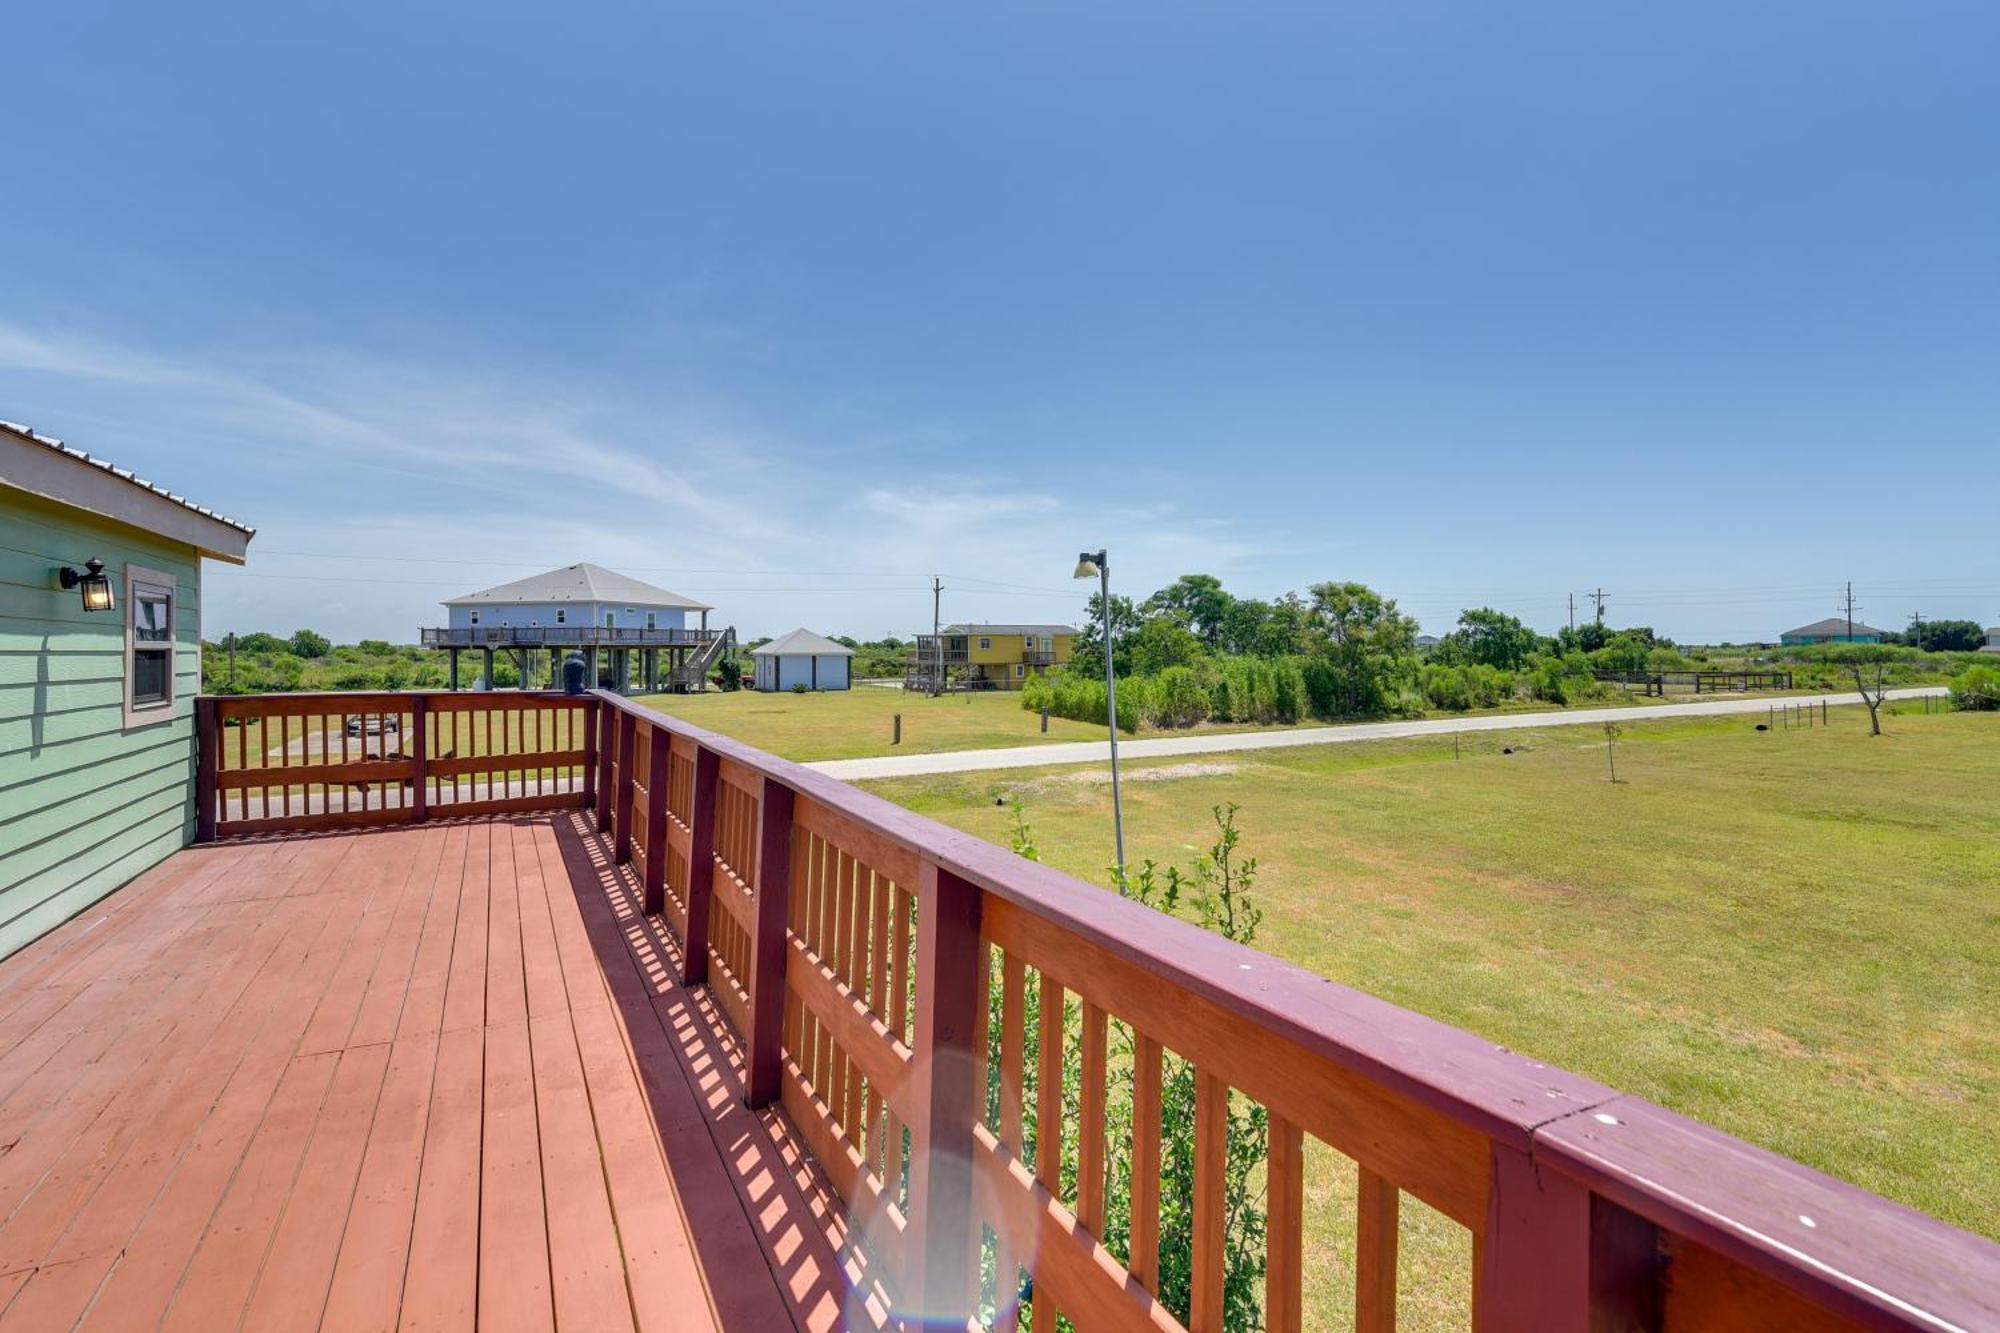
point(95, 584)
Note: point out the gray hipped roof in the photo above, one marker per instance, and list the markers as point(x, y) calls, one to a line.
point(1832, 625)
point(1010, 629)
point(802, 643)
point(581, 583)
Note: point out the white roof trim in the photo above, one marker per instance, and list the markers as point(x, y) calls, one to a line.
point(49, 468)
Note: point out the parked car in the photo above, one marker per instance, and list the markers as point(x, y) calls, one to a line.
point(372, 724)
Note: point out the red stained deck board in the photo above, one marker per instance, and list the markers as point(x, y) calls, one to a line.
point(411, 1078)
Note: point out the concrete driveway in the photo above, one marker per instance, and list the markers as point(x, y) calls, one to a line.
point(1099, 752)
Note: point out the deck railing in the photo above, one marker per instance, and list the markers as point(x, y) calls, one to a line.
point(862, 952)
point(859, 949)
point(282, 763)
point(565, 636)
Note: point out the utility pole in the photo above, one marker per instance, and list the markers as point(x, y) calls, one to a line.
point(1850, 610)
point(1572, 613)
point(1917, 630)
point(1599, 597)
point(937, 634)
point(232, 660)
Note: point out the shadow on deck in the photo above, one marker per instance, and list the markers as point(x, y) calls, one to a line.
point(427, 1077)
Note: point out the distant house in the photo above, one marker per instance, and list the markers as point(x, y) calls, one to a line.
point(801, 658)
point(1427, 641)
point(986, 657)
point(592, 610)
point(1834, 629)
point(1992, 640)
point(100, 621)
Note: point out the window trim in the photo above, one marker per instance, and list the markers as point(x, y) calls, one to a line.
point(985, 643)
point(475, 617)
point(154, 581)
point(562, 616)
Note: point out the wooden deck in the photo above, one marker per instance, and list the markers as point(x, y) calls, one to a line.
point(418, 1078)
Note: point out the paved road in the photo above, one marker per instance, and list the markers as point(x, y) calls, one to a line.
point(1099, 752)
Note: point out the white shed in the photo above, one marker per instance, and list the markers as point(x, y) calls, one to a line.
point(802, 658)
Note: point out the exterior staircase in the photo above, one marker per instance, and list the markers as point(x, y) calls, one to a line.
point(692, 674)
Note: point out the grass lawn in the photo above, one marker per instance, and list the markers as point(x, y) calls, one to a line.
point(1794, 936)
point(858, 723)
point(848, 724)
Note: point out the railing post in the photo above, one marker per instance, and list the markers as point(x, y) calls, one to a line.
point(659, 773)
point(587, 719)
point(207, 754)
point(420, 753)
point(621, 807)
point(1556, 1259)
point(942, 1226)
point(768, 946)
point(606, 740)
point(701, 865)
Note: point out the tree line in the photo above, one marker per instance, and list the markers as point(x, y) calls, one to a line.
point(1193, 652)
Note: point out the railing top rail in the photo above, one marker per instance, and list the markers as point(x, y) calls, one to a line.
point(381, 697)
point(1841, 1245)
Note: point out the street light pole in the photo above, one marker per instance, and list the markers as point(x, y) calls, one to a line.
point(1087, 565)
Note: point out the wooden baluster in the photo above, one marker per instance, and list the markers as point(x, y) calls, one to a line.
point(1211, 1166)
point(899, 1018)
point(828, 903)
point(843, 922)
point(420, 752)
point(878, 1000)
point(701, 865)
point(1377, 1203)
point(1284, 1227)
point(1013, 1061)
point(1144, 1261)
point(1090, 1127)
point(264, 742)
point(1048, 1118)
point(660, 743)
point(941, 1289)
point(621, 809)
point(852, 1115)
point(762, 1078)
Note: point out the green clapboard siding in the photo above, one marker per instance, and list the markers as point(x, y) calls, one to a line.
point(85, 804)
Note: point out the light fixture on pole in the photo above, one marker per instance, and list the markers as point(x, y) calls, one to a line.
point(91, 578)
point(1089, 566)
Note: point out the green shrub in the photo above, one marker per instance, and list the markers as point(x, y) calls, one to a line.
point(1977, 690)
point(1178, 698)
point(1459, 688)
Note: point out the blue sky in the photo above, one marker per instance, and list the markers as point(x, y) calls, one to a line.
point(794, 306)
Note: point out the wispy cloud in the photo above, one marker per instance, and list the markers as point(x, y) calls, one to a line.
point(382, 485)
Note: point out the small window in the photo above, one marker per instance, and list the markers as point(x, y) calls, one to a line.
point(1028, 641)
point(1020, 670)
point(475, 617)
point(562, 616)
point(149, 646)
point(652, 620)
point(985, 642)
point(610, 619)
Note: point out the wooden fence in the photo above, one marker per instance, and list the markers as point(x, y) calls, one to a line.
point(1701, 682)
point(860, 952)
